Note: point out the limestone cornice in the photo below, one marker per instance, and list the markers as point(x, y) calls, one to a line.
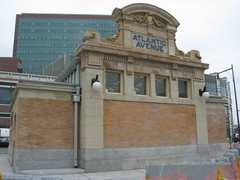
point(216, 100)
point(48, 87)
point(37, 87)
point(144, 55)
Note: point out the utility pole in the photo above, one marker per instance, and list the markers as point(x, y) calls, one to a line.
point(235, 94)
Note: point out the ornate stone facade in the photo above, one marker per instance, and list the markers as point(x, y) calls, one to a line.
point(122, 129)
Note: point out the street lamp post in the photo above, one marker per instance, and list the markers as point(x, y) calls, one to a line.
point(235, 93)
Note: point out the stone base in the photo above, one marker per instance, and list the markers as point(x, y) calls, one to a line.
point(99, 160)
point(21, 159)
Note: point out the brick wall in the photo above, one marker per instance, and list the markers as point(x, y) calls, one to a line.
point(10, 64)
point(136, 124)
point(44, 124)
point(4, 121)
point(217, 132)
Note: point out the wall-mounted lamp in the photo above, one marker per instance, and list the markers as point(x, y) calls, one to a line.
point(203, 93)
point(96, 83)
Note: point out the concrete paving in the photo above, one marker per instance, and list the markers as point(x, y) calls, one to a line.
point(66, 174)
point(3, 150)
point(5, 167)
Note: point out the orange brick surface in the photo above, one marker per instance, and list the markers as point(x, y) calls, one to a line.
point(136, 124)
point(217, 132)
point(44, 124)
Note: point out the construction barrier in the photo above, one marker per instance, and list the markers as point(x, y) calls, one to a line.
point(176, 176)
point(227, 172)
point(220, 176)
point(0, 176)
point(238, 167)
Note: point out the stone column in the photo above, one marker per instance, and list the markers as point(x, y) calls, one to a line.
point(201, 115)
point(91, 121)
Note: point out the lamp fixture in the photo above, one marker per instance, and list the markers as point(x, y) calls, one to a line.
point(96, 85)
point(203, 93)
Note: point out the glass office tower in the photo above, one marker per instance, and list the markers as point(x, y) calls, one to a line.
point(41, 39)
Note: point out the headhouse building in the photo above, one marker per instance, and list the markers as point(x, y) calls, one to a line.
point(125, 101)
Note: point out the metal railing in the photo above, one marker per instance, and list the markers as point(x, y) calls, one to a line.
point(20, 76)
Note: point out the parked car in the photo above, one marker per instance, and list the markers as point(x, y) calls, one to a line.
point(235, 138)
point(4, 141)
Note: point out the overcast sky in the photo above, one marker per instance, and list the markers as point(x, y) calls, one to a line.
point(209, 26)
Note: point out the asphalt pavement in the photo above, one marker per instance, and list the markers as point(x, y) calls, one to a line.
point(65, 174)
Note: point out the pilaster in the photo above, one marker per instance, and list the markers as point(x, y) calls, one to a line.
point(201, 115)
point(91, 125)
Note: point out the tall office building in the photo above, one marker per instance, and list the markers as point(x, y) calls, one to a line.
point(41, 39)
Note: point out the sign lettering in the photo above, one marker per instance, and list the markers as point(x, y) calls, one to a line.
point(149, 43)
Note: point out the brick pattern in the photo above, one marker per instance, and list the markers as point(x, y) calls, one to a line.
point(44, 124)
point(4, 122)
point(10, 64)
point(137, 124)
point(5, 108)
point(217, 132)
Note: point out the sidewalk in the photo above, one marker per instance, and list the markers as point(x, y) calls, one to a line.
point(66, 174)
point(5, 167)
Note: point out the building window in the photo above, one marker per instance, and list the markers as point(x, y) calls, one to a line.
point(140, 84)
point(5, 95)
point(183, 88)
point(113, 82)
point(161, 86)
point(211, 83)
point(223, 87)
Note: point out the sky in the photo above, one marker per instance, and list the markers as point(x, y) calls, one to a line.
point(210, 26)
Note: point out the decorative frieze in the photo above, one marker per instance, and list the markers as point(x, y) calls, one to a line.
point(115, 58)
point(141, 62)
point(152, 64)
point(185, 69)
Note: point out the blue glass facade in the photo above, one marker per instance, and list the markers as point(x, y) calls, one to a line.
point(211, 83)
point(41, 39)
point(223, 87)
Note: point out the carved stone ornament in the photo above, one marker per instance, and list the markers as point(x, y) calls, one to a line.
point(148, 19)
point(91, 36)
point(115, 37)
point(180, 52)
